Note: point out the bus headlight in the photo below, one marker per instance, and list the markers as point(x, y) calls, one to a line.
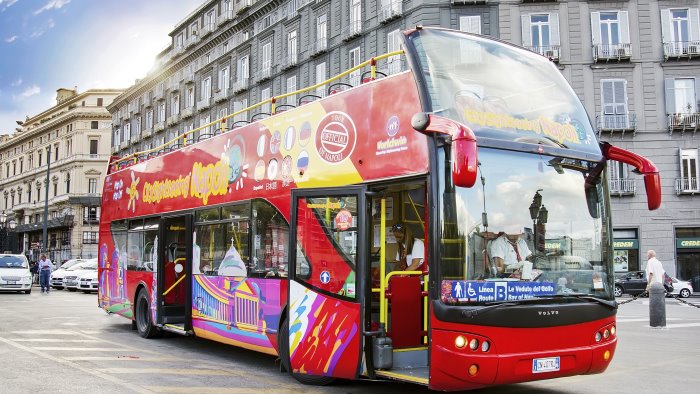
point(613, 330)
point(485, 346)
point(598, 336)
point(460, 342)
point(474, 344)
point(606, 333)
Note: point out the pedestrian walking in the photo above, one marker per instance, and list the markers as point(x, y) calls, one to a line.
point(45, 267)
point(655, 271)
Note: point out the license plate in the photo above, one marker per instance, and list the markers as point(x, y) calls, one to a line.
point(548, 364)
point(11, 282)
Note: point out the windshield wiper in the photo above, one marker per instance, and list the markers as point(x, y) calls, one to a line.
point(584, 297)
point(498, 304)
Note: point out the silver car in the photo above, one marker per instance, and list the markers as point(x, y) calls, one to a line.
point(15, 274)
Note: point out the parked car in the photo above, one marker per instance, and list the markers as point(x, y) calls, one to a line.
point(15, 274)
point(56, 280)
point(682, 288)
point(70, 280)
point(635, 283)
point(88, 282)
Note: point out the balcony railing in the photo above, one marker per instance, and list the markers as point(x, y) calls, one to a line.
point(607, 52)
point(353, 30)
point(264, 74)
point(290, 61)
point(550, 51)
point(390, 11)
point(203, 103)
point(243, 5)
point(225, 17)
point(147, 131)
point(240, 85)
point(623, 186)
point(159, 126)
point(173, 119)
point(468, 2)
point(616, 122)
point(187, 112)
point(190, 41)
point(206, 29)
point(687, 186)
point(681, 49)
point(320, 46)
point(683, 121)
point(222, 94)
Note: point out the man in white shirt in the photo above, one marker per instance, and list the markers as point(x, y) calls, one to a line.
point(508, 252)
point(44, 267)
point(655, 271)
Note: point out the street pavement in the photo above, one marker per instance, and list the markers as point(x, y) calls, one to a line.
point(61, 342)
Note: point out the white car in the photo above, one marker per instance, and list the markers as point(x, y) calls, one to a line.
point(682, 288)
point(87, 282)
point(70, 280)
point(14, 273)
point(56, 280)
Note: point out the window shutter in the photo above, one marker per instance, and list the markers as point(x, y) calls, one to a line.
point(624, 27)
point(554, 29)
point(666, 25)
point(527, 38)
point(620, 98)
point(670, 96)
point(694, 24)
point(595, 27)
point(695, 95)
point(608, 97)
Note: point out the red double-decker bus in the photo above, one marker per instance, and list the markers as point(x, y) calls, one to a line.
point(289, 235)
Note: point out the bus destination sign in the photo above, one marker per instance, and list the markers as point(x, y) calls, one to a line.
point(482, 291)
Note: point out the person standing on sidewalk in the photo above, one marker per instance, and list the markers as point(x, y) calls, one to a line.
point(655, 271)
point(44, 266)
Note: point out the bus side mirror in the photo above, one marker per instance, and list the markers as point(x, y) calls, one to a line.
point(652, 181)
point(463, 143)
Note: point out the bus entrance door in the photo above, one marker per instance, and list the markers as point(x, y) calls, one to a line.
point(174, 268)
point(325, 317)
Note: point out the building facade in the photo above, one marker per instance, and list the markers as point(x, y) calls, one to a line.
point(61, 153)
point(634, 64)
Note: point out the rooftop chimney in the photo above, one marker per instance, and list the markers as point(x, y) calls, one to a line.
point(64, 94)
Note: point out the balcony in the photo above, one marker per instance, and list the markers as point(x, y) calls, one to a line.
point(179, 49)
point(172, 119)
point(687, 185)
point(240, 85)
point(319, 47)
point(354, 29)
point(468, 2)
point(391, 11)
point(147, 131)
point(187, 112)
point(622, 186)
point(224, 17)
point(221, 94)
point(52, 223)
point(263, 75)
point(206, 29)
point(549, 51)
point(683, 122)
point(242, 6)
point(612, 52)
point(159, 126)
point(203, 104)
point(681, 50)
point(188, 77)
point(290, 61)
point(612, 123)
point(190, 41)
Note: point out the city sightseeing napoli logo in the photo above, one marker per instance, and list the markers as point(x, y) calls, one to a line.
point(133, 192)
point(118, 190)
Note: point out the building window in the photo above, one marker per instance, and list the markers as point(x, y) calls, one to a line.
point(470, 24)
point(238, 106)
point(320, 77)
point(541, 34)
point(614, 104)
point(393, 43)
point(292, 48)
point(93, 147)
point(99, 102)
point(265, 95)
point(174, 105)
point(189, 98)
point(266, 60)
point(149, 119)
point(92, 186)
point(126, 136)
point(354, 61)
point(91, 215)
point(224, 79)
point(94, 125)
point(292, 86)
point(688, 182)
point(206, 88)
point(55, 189)
point(611, 36)
point(619, 179)
point(161, 111)
point(89, 237)
point(29, 194)
point(321, 32)
point(14, 167)
point(355, 16)
point(243, 64)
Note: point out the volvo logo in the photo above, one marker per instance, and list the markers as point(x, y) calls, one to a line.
point(547, 313)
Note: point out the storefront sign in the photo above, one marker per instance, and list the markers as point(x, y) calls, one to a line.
point(687, 243)
point(626, 244)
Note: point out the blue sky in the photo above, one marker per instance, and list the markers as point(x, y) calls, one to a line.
point(50, 44)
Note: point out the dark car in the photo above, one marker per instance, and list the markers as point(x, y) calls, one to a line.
point(635, 283)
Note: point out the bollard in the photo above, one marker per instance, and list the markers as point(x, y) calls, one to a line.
point(657, 305)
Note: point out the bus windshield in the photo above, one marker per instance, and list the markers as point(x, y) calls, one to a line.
point(532, 226)
point(501, 91)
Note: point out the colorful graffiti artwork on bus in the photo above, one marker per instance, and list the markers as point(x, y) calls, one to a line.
point(112, 279)
point(234, 310)
point(323, 334)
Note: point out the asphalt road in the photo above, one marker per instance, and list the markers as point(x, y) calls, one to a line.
point(61, 342)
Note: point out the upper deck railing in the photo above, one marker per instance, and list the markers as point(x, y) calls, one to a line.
point(219, 126)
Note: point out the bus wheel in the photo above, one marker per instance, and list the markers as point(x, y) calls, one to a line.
point(283, 345)
point(144, 325)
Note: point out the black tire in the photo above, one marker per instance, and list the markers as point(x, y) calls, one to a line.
point(58, 287)
point(618, 291)
point(142, 316)
point(283, 350)
point(72, 290)
point(28, 291)
point(684, 293)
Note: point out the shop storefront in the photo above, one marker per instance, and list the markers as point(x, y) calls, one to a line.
point(688, 255)
point(626, 250)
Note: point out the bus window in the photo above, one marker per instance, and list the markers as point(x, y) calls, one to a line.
point(270, 240)
point(221, 248)
point(134, 250)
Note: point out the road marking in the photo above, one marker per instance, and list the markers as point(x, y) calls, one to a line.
point(46, 332)
point(228, 390)
point(61, 340)
point(683, 325)
point(644, 319)
point(80, 349)
point(169, 371)
point(121, 358)
point(91, 371)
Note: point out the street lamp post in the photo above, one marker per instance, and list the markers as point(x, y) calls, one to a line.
point(6, 244)
point(539, 215)
point(46, 200)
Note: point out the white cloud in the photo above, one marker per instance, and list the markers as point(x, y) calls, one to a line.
point(51, 5)
point(41, 30)
point(5, 4)
point(28, 92)
point(11, 39)
point(16, 83)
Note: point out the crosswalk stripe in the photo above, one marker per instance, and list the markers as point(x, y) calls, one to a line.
point(80, 349)
point(169, 371)
point(229, 390)
point(120, 358)
point(61, 340)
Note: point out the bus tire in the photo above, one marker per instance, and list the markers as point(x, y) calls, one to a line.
point(144, 325)
point(283, 345)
